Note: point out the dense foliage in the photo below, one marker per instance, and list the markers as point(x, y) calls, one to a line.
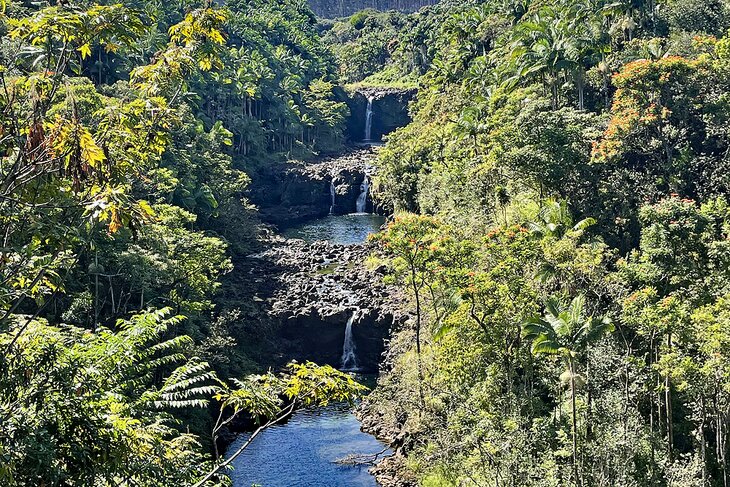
point(562, 224)
point(376, 49)
point(566, 248)
point(126, 131)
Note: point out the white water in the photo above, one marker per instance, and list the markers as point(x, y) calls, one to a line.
point(332, 196)
point(349, 355)
point(362, 198)
point(369, 119)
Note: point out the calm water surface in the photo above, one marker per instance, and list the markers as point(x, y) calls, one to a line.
point(339, 229)
point(303, 452)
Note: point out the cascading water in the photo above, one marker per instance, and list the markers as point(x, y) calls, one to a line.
point(332, 196)
point(362, 198)
point(369, 119)
point(349, 355)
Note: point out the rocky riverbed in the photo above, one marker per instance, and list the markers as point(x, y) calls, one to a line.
point(310, 291)
point(301, 293)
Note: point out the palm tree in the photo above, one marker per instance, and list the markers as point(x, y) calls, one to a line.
point(539, 50)
point(555, 220)
point(537, 53)
point(566, 332)
point(583, 44)
point(470, 125)
point(556, 44)
point(513, 9)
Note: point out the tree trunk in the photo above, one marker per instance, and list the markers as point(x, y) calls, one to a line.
point(581, 89)
point(574, 421)
point(668, 400)
point(96, 291)
point(417, 294)
point(703, 442)
point(589, 398)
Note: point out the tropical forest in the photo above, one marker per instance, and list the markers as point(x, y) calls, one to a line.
point(395, 243)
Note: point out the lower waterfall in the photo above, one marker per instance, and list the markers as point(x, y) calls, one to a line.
point(349, 355)
point(332, 196)
point(362, 199)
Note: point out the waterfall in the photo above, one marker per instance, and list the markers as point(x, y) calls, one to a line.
point(349, 357)
point(362, 199)
point(332, 196)
point(369, 119)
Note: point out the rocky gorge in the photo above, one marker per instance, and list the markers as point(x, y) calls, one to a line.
point(309, 295)
point(310, 291)
point(298, 191)
point(315, 291)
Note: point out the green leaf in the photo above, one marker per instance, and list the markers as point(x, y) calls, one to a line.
point(85, 50)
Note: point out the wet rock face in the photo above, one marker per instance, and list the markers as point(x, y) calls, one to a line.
point(298, 191)
point(289, 193)
point(347, 189)
point(390, 111)
point(310, 290)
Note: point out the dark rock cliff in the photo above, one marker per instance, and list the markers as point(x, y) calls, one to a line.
point(390, 111)
point(295, 191)
point(329, 9)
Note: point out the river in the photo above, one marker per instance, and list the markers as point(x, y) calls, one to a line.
point(304, 452)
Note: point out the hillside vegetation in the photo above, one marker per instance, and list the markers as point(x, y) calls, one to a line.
point(126, 134)
point(561, 236)
point(563, 233)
